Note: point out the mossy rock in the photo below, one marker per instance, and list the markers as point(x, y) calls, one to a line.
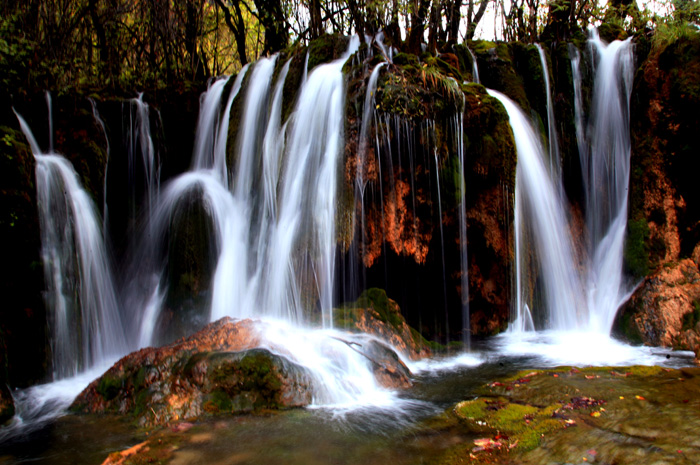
point(254, 380)
point(610, 32)
point(497, 71)
point(326, 48)
point(636, 253)
point(625, 415)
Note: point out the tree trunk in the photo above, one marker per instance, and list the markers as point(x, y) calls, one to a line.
point(272, 18)
point(415, 38)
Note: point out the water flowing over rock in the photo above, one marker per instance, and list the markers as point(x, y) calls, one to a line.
point(83, 315)
point(572, 299)
point(230, 366)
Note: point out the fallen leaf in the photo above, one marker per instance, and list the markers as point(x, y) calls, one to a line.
point(639, 398)
point(570, 422)
point(485, 444)
point(595, 414)
point(622, 397)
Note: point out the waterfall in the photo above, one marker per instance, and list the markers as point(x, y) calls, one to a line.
point(542, 230)
point(608, 177)
point(575, 299)
point(84, 319)
point(308, 192)
point(579, 120)
point(552, 139)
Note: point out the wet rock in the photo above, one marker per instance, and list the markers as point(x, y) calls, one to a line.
point(217, 370)
point(375, 314)
point(665, 309)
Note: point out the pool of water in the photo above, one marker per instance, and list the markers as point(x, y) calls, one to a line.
point(409, 431)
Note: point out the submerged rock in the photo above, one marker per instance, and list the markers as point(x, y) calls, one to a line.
point(627, 415)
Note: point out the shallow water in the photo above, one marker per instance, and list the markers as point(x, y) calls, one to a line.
point(400, 434)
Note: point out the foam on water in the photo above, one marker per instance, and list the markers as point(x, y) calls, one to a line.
point(38, 405)
point(586, 348)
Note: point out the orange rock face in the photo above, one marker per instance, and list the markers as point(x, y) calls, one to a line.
point(662, 310)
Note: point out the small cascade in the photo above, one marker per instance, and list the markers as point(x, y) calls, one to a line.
point(101, 124)
point(579, 119)
point(442, 243)
point(387, 52)
point(84, 319)
point(212, 127)
point(475, 67)
point(541, 223)
point(552, 139)
point(138, 135)
point(458, 131)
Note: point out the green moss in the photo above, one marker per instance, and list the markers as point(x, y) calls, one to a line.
point(610, 32)
point(523, 424)
point(218, 401)
point(326, 48)
point(636, 254)
point(109, 387)
point(692, 318)
point(251, 379)
point(378, 300)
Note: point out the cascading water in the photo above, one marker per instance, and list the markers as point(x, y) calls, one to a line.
point(139, 141)
point(82, 306)
point(274, 223)
point(552, 139)
point(458, 128)
point(578, 109)
point(475, 67)
point(101, 124)
point(539, 207)
point(572, 300)
point(212, 124)
point(608, 178)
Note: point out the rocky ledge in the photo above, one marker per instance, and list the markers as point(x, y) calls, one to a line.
point(227, 367)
